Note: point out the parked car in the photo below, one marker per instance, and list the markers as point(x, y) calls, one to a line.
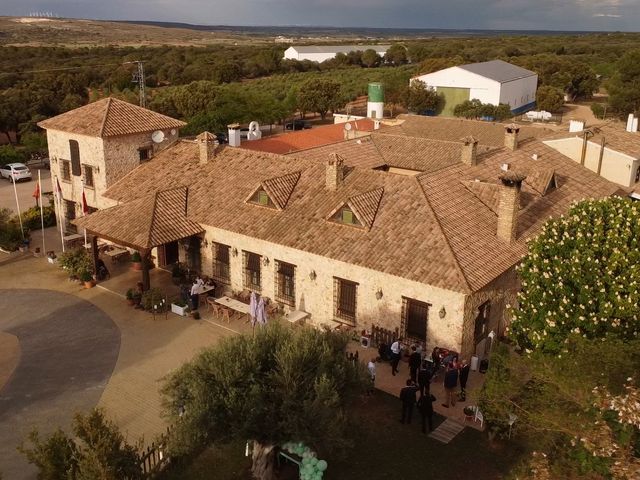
point(15, 172)
point(297, 125)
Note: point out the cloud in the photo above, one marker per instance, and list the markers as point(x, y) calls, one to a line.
point(608, 15)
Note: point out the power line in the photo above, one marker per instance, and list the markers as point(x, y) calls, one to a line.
point(64, 68)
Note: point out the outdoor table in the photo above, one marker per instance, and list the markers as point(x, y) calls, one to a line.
point(296, 316)
point(73, 238)
point(234, 304)
point(116, 253)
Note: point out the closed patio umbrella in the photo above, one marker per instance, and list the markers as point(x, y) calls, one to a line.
point(261, 315)
point(253, 305)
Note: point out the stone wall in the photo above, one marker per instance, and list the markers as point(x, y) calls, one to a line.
point(122, 153)
point(316, 296)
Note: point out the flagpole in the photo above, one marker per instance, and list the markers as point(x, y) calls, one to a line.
point(84, 214)
point(44, 250)
point(58, 195)
point(15, 192)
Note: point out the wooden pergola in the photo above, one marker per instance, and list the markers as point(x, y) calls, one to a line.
point(142, 224)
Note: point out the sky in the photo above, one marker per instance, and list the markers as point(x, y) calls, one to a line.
point(612, 15)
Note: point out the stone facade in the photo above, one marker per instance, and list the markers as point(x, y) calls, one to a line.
point(508, 209)
point(110, 159)
point(316, 295)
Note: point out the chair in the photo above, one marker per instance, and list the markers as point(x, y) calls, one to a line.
point(479, 417)
point(225, 314)
point(213, 306)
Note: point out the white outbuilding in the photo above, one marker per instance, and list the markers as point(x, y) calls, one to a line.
point(491, 82)
point(320, 53)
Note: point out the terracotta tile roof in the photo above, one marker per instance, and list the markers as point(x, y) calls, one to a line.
point(305, 139)
point(453, 129)
point(365, 205)
point(362, 153)
point(145, 222)
point(110, 117)
point(541, 180)
point(615, 136)
point(430, 228)
point(280, 188)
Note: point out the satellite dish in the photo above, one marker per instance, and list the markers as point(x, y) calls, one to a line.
point(173, 131)
point(347, 126)
point(157, 136)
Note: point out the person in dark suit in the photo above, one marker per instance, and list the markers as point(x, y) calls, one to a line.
point(414, 363)
point(425, 406)
point(450, 385)
point(408, 398)
point(424, 376)
point(464, 376)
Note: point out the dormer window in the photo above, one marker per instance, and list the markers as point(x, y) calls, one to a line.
point(260, 197)
point(346, 216)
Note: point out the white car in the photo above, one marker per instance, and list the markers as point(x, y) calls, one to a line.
point(15, 171)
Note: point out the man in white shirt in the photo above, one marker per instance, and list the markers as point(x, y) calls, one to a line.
point(395, 356)
point(195, 294)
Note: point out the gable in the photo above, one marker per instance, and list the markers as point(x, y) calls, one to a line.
point(363, 207)
point(275, 192)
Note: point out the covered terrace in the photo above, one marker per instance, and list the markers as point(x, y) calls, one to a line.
point(142, 225)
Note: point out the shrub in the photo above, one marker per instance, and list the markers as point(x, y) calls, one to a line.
point(10, 234)
point(76, 262)
point(154, 299)
point(8, 154)
point(31, 218)
point(598, 110)
point(85, 276)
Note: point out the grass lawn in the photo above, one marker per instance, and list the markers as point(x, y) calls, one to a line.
point(384, 450)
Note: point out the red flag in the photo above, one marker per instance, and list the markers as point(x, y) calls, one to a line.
point(58, 189)
point(85, 207)
point(36, 192)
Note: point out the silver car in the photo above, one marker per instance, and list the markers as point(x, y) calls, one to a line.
point(15, 172)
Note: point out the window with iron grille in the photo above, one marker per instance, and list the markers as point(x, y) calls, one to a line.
point(251, 270)
point(286, 283)
point(74, 150)
point(415, 316)
point(88, 176)
point(221, 264)
point(65, 170)
point(482, 322)
point(344, 300)
point(145, 153)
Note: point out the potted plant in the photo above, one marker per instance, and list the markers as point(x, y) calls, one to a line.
point(136, 261)
point(179, 307)
point(86, 278)
point(130, 295)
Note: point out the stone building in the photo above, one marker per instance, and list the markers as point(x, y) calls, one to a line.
point(99, 143)
point(414, 235)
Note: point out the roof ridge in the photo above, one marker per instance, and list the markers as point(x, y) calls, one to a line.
point(444, 235)
point(106, 114)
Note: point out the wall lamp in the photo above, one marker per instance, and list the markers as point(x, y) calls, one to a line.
point(312, 275)
point(234, 252)
point(442, 313)
point(379, 294)
point(265, 261)
point(205, 243)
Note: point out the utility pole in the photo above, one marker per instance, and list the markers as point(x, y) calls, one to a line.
point(138, 77)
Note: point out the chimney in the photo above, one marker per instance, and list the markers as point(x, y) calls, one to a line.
point(469, 151)
point(207, 144)
point(334, 172)
point(509, 205)
point(234, 134)
point(511, 136)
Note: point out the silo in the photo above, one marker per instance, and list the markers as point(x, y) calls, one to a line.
point(375, 100)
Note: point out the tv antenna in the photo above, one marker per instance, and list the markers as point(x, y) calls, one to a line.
point(138, 77)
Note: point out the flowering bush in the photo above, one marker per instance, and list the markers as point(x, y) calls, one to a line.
point(580, 277)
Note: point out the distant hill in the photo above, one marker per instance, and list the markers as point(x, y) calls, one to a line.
point(24, 31)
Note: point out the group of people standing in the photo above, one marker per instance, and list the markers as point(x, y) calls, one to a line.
point(422, 372)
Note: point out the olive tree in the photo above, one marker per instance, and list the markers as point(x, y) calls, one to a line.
point(278, 386)
point(319, 96)
point(580, 276)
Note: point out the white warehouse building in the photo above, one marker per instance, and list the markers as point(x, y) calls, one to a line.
point(320, 53)
point(491, 82)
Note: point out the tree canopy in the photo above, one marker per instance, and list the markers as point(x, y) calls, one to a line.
point(549, 98)
point(278, 386)
point(624, 87)
point(419, 98)
point(580, 412)
point(474, 109)
point(580, 277)
point(319, 96)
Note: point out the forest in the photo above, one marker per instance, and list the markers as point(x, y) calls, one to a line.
point(211, 86)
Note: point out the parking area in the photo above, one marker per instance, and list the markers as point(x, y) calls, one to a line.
point(25, 190)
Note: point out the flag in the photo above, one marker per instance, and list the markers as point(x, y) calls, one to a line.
point(36, 192)
point(58, 190)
